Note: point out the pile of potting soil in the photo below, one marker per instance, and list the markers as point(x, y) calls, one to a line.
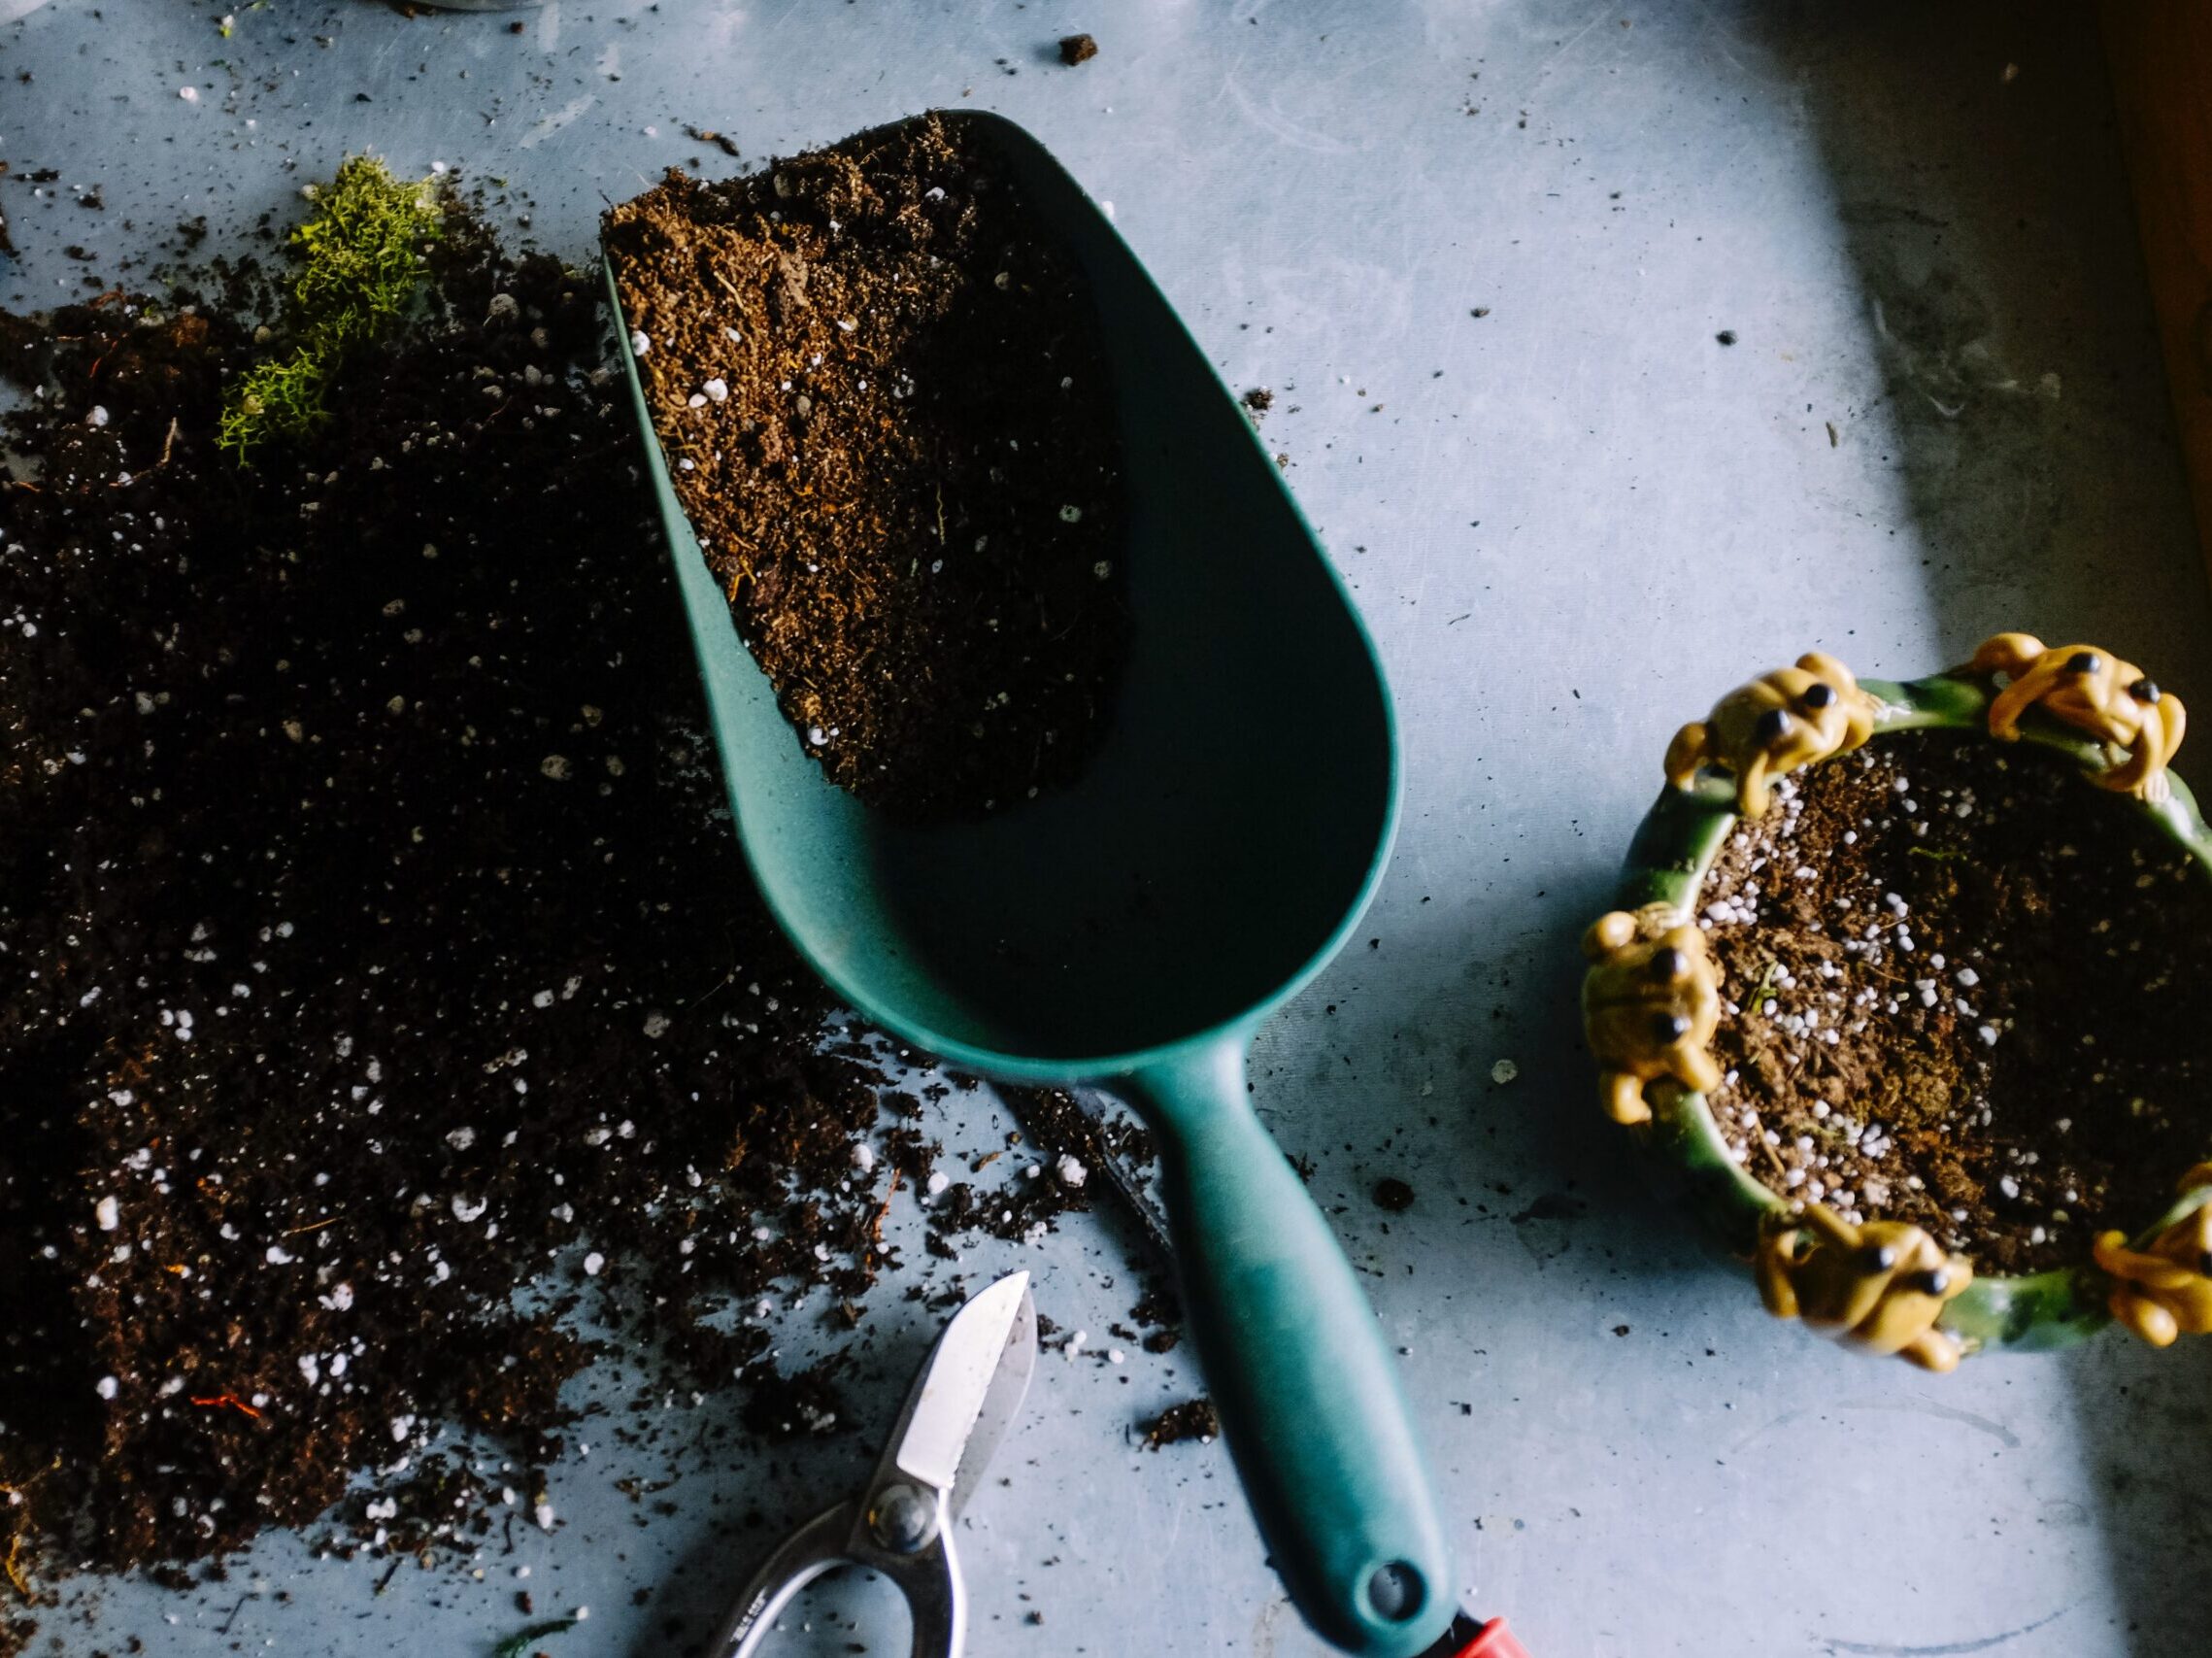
point(881, 393)
point(1962, 989)
point(377, 956)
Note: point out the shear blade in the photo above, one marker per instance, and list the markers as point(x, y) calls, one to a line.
point(972, 1385)
point(1003, 1400)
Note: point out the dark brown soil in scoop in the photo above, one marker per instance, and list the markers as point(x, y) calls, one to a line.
point(381, 974)
point(881, 393)
point(1965, 989)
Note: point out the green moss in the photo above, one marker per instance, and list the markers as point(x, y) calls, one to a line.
point(363, 259)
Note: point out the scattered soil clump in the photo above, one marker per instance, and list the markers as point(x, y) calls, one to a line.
point(882, 394)
point(1178, 1423)
point(721, 141)
point(1959, 986)
point(1077, 49)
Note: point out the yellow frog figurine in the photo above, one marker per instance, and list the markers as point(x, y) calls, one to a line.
point(1650, 1004)
point(1776, 724)
point(1878, 1286)
point(2165, 1290)
point(2092, 690)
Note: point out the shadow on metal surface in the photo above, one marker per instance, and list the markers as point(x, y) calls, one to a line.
point(1981, 195)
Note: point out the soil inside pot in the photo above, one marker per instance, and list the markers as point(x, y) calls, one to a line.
point(880, 385)
point(1964, 988)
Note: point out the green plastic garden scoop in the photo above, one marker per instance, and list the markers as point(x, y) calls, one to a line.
point(1132, 929)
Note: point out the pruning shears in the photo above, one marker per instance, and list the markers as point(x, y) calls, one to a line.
point(900, 1524)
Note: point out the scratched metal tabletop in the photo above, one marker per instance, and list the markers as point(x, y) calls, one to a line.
point(1571, 521)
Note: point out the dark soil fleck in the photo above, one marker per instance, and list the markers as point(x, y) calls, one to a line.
point(880, 389)
point(1966, 1000)
point(1393, 1194)
point(1259, 399)
point(1077, 49)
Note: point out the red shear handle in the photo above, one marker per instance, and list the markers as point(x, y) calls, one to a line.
point(1493, 1640)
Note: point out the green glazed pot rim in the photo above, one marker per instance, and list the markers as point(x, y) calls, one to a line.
point(1674, 848)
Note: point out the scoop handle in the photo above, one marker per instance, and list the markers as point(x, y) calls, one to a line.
point(1296, 1366)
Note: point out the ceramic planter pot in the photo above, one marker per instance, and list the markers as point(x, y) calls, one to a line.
point(1650, 1004)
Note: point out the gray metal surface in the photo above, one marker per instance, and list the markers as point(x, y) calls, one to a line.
point(1572, 522)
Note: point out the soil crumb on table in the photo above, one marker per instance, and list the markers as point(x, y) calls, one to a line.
point(881, 390)
point(1077, 49)
point(1178, 1423)
point(383, 979)
point(721, 141)
point(1961, 988)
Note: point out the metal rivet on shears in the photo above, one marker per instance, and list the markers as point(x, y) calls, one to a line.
point(902, 1519)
